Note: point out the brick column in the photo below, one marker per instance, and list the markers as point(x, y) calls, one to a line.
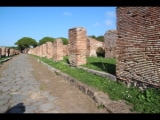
point(78, 47)
point(57, 50)
point(49, 50)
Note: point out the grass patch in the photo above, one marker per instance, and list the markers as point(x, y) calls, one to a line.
point(98, 63)
point(101, 64)
point(147, 101)
point(101, 106)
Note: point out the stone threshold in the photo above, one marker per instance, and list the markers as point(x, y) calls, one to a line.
point(100, 98)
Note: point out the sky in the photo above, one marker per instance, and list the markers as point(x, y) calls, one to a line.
point(39, 22)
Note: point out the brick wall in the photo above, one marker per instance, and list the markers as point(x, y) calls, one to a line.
point(138, 45)
point(57, 50)
point(49, 49)
point(44, 50)
point(40, 50)
point(65, 50)
point(3, 52)
point(77, 46)
point(110, 38)
point(92, 46)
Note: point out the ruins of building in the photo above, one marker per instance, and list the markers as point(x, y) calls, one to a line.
point(138, 45)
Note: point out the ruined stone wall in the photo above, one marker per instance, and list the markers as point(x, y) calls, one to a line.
point(65, 50)
point(7, 52)
point(40, 50)
point(138, 45)
point(77, 46)
point(57, 50)
point(49, 49)
point(37, 50)
point(92, 46)
point(44, 50)
point(11, 52)
point(3, 52)
point(110, 38)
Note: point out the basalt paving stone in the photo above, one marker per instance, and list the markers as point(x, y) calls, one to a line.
point(6, 93)
point(46, 107)
point(6, 88)
point(45, 93)
point(51, 98)
point(2, 87)
point(29, 100)
point(38, 103)
point(3, 109)
point(19, 96)
point(3, 102)
point(5, 96)
point(30, 109)
point(16, 87)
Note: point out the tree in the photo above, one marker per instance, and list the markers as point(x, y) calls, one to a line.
point(46, 39)
point(93, 36)
point(64, 40)
point(26, 42)
point(100, 38)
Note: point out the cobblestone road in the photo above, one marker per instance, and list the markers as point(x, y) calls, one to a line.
point(19, 91)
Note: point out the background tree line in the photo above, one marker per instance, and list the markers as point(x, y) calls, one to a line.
point(28, 42)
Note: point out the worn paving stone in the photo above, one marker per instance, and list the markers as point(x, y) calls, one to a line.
point(18, 86)
point(3, 109)
point(46, 107)
point(30, 109)
point(51, 98)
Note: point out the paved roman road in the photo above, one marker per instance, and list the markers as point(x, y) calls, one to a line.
point(21, 81)
point(19, 91)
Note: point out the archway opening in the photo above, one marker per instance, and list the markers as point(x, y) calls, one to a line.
point(100, 52)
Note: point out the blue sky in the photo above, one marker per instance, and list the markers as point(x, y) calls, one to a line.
point(39, 22)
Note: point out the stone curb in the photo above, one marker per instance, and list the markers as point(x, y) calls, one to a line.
point(99, 97)
point(6, 59)
point(100, 73)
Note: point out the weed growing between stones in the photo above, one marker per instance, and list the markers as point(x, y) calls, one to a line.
point(146, 101)
point(101, 106)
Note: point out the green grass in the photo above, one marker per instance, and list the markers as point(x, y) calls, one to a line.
point(147, 101)
point(99, 63)
point(3, 58)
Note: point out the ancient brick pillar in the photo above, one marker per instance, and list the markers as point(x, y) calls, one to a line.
point(40, 51)
point(78, 47)
point(138, 45)
point(57, 50)
point(44, 50)
point(3, 53)
point(6, 52)
point(11, 52)
point(65, 50)
point(110, 38)
point(49, 49)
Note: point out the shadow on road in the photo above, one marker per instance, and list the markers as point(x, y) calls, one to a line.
point(19, 108)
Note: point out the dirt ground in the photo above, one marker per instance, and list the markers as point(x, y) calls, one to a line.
point(69, 98)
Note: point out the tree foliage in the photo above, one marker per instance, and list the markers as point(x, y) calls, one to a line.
point(26, 42)
point(64, 40)
point(46, 39)
point(98, 38)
